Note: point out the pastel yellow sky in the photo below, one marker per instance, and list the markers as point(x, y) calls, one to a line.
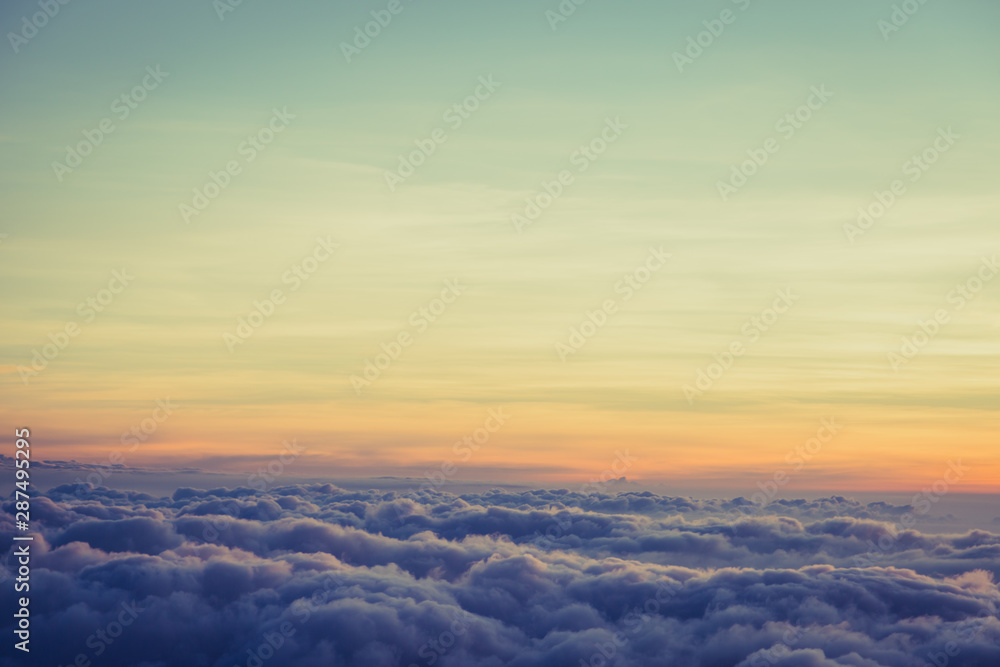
point(834, 348)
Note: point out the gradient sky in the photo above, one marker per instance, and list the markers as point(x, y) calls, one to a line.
point(495, 346)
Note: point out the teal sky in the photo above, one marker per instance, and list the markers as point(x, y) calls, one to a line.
point(656, 186)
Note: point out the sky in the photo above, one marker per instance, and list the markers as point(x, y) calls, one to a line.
point(695, 302)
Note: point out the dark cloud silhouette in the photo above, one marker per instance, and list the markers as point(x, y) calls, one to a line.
point(317, 575)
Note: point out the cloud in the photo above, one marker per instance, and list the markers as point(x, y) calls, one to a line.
point(318, 575)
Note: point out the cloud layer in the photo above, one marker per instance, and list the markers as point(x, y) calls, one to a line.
point(316, 575)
